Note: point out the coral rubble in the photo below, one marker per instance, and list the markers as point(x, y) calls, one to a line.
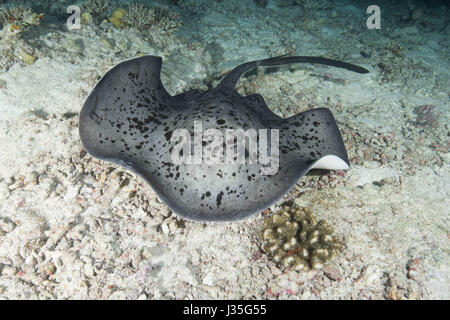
point(14, 20)
point(294, 238)
point(18, 18)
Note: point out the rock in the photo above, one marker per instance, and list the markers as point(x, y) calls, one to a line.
point(416, 14)
point(261, 3)
point(414, 268)
point(151, 252)
point(284, 3)
point(209, 279)
point(108, 44)
point(165, 228)
point(332, 273)
point(26, 56)
point(7, 225)
point(117, 18)
point(400, 33)
point(3, 84)
point(8, 271)
point(75, 46)
point(142, 297)
point(427, 115)
point(87, 19)
point(89, 270)
point(118, 295)
point(185, 274)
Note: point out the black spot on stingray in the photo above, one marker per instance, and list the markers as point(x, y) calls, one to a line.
point(168, 135)
point(219, 198)
point(130, 118)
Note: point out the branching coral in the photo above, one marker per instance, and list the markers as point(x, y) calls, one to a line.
point(9, 14)
point(95, 7)
point(294, 238)
point(142, 17)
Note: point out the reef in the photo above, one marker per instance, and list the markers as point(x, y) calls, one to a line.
point(294, 238)
point(155, 18)
point(95, 7)
point(18, 18)
point(13, 21)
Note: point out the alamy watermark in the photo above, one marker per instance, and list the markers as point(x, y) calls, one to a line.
point(212, 147)
point(374, 20)
point(74, 20)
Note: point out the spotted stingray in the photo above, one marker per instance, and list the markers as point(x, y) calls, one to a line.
point(129, 119)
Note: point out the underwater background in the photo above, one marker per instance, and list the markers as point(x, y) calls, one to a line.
point(74, 227)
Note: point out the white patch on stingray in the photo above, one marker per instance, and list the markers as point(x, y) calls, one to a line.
point(330, 162)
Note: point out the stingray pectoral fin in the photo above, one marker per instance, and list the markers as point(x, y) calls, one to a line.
point(188, 95)
point(256, 104)
point(330, 162)
point(315, 136)
point(129, 88)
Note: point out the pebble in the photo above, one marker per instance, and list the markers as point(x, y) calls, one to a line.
point(74, 46)
point(31, 261)
point(209, 279)
point(261, 3)
point(165, 228)
point(414, 268)
point(107, 43)
point(184, 274)
point(416, 14)
point(388, 180)
point(142, 297)
point(3, 84)
point(7, 225)
point(87, 19)
point(8, 271)
point(26, 57)
point(332, 273)
point(306, 294)
point(152, 252)
point(118, 295)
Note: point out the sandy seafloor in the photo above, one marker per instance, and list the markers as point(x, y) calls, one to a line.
point(75, 227)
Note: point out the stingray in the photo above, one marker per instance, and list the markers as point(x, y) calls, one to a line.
point(130, 119)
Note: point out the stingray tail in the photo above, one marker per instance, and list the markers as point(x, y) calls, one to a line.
point(230, 80)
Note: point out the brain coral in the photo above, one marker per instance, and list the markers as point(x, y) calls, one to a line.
point(294, 238)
